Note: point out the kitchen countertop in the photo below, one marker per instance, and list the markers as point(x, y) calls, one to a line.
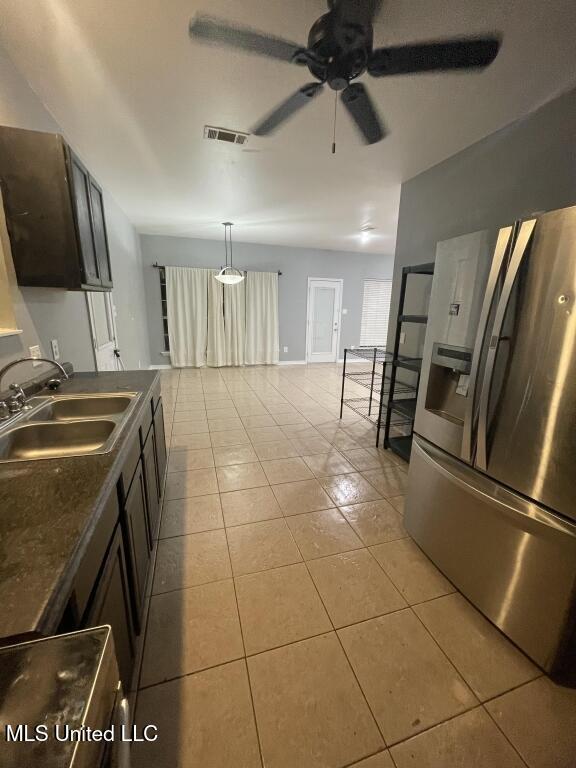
point(48, 510)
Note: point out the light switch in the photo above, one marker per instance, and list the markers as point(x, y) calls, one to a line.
point(344, 311)
point(55, 349)
point(35, 352)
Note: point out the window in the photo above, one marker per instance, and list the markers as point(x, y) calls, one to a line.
point(375, 313)
point(162, 273)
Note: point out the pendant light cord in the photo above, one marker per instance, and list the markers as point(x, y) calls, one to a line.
point(230, 235)
point(334, 132)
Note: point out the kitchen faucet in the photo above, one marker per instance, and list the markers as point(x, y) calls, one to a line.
point(18, 401)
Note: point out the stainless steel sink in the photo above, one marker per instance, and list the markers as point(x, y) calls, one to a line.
point(57, 426)
point(83, 407)
point(42, 440)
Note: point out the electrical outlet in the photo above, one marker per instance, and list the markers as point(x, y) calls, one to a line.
point(35, 352)
point(285, 349)
point(403, 337)
point(55, 349)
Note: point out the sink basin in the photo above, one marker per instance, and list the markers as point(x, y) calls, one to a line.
point(48, 440)
point(55, 426)
point(83, 407)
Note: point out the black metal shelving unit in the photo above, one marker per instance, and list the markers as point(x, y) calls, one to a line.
point(376, 379)
point(401, 403)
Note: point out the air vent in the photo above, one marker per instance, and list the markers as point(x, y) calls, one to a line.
point(225, 135)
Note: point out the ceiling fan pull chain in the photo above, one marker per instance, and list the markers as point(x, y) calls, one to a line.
point(334, 133)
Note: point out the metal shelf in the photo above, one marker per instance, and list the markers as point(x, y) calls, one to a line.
point(398, 407)
point(361, 406)
point(373, 354)
point(422, 319)
point(420, 269)
point(409, 363)
point(406, 407)
point(364, 379)
point(402, 446)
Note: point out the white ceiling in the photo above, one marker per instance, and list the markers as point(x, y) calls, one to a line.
point(132, 94)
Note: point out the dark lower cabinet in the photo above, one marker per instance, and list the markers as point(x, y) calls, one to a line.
point(152, 495)
point(160, 445)
point(135, 520)
point(111, 605)
point(110, 585)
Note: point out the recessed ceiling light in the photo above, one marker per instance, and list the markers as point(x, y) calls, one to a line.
point(366, 233)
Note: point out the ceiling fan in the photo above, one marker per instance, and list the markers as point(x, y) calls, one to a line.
point(340, 50)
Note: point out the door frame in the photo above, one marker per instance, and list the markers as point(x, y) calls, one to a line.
point(340, 285)
point(111, 312)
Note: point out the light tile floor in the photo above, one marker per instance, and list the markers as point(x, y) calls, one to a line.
point(294, 624)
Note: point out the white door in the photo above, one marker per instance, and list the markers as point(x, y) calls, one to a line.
point(102, 313)
point(323, 327)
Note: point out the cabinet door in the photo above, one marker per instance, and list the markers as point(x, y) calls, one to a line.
point(111, 605)
point(151, 476)
point(160, 446)
point(100, 236)
point(81, 201)
point(136, 523)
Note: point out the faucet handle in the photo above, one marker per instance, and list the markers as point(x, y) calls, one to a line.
point(18, 401)
point(4, 410)
point(18, 391)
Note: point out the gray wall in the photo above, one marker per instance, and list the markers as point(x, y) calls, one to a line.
point(46, 313)
point(528, 166)
point(296, 265)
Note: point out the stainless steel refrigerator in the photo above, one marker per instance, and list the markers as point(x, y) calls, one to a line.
point(492, 481)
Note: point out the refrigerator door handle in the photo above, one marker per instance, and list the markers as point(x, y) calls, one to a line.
point(503, 244)
point(520, 248)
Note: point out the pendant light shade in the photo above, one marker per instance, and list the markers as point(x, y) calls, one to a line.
point(229, 275)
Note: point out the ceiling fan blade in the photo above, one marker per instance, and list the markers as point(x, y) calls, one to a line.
point(362, 110)
point(285, 110)
point(437, 56)
point(210, 29)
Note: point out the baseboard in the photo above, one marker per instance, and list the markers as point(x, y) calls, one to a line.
point(292, 362)
point(158, 367)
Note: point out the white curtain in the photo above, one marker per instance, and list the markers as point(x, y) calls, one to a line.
point(235, 322)
point(187, 299)
point(216, 352)
point(262, 335)
point(216, 325)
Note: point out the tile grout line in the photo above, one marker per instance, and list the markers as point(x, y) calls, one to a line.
point(258, 738)
point(500, 730)
point(339, 642)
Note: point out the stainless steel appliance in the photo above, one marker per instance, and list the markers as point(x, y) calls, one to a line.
point(492, 490)
point(55, 686)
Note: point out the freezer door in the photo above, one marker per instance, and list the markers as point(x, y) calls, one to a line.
point(513, 559)
point(466, 280)
point(527, 421)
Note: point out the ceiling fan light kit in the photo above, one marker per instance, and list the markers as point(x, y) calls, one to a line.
point(229, 275)
point(340, 50)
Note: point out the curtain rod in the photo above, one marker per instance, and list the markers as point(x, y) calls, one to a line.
point(163, 266)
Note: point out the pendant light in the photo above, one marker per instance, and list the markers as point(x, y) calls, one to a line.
point(228, 274)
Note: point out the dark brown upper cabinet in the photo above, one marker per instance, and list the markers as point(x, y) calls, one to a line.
point(54, 213)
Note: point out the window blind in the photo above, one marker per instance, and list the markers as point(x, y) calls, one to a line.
point(375, 313)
